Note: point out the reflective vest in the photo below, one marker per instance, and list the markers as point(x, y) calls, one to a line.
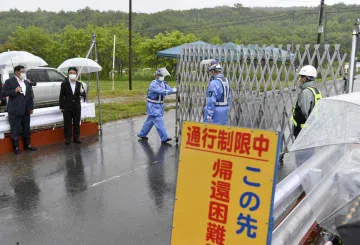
point(298, 118)
point(158, 99)
point(226, 89)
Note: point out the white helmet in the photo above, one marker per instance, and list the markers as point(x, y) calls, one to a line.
point(214, 66)
point(308, 71)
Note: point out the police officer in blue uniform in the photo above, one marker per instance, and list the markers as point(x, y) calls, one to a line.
point(155, 106)
point(218, 96)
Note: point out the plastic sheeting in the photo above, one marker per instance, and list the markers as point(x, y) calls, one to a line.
point(345, 183)
point(333, 186)
point(327, 153)
point(334, 120)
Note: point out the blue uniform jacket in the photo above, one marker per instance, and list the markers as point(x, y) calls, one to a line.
point(157, 92)
point(215, 95)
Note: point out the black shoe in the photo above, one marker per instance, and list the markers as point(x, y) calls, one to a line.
point(77, 141)
point(67, 142)
point(143, 138)
point(30, 148)
point(166, 141)
point(16, 150)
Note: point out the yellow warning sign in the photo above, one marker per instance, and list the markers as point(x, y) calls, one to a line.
point(225, 186)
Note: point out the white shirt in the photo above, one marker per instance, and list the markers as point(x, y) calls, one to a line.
point(22, 85)
point(73, 85)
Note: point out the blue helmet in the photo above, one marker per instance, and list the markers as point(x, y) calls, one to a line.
point(214, 66)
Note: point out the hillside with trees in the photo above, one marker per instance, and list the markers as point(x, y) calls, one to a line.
point(60, 35)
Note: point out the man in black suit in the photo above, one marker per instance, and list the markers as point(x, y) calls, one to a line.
point(69, 102)
point(20, 107)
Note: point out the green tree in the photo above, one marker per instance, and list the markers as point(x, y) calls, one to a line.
point(32, 39)
point(70, 43)
point(150, 47)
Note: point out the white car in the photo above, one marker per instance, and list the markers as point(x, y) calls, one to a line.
point(46, 83)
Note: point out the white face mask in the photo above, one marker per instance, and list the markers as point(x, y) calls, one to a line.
point(161, 78)
point(72, 76)
point(22, 76)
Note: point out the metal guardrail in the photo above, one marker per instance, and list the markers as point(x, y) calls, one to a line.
point(287, 213)
point(46, 116)
point(291, 187)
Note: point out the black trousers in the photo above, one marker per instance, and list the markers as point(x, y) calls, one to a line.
point(70, 118)
point(19, 125)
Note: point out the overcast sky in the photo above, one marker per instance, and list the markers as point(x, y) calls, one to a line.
point(150, 6)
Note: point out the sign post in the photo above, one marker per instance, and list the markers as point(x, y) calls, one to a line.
point(225, 187)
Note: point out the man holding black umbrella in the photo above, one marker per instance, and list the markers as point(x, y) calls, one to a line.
point(69, 101)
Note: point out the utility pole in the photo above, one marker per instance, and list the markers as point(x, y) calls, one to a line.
point(354, 55)
point(293, 34)
point(130, 44)
point(113, 65)
point(320, 26)
point(325, 22)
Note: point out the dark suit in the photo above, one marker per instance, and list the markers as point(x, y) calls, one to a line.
point(70, 105)
point(19, 108)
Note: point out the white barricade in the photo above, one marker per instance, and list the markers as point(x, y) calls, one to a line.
point(46, 116)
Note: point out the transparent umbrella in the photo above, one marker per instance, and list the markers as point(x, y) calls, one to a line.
point(11, 59)
point(327, 156)
point(84, 65)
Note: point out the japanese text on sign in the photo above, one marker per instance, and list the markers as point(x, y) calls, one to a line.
point(219, 199)
point(230, 141)
point(225, 186)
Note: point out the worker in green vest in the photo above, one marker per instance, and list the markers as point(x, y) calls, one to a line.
point(307, 98)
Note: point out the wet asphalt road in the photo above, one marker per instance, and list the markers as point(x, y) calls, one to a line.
point(113, 191)
point(109, 190)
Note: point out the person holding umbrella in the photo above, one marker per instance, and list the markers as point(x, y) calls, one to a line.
point(69, 101)
point(20, 107)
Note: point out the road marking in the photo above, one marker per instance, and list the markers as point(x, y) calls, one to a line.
point(118, 176)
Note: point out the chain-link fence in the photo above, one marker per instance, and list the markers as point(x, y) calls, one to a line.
point(263, 82)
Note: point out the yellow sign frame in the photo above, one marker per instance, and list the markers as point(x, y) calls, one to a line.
point(225, 186)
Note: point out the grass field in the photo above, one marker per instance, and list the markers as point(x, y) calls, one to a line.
point(121, 89)
point(117, 111)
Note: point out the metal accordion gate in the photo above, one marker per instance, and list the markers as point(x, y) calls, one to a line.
point(263, 82)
